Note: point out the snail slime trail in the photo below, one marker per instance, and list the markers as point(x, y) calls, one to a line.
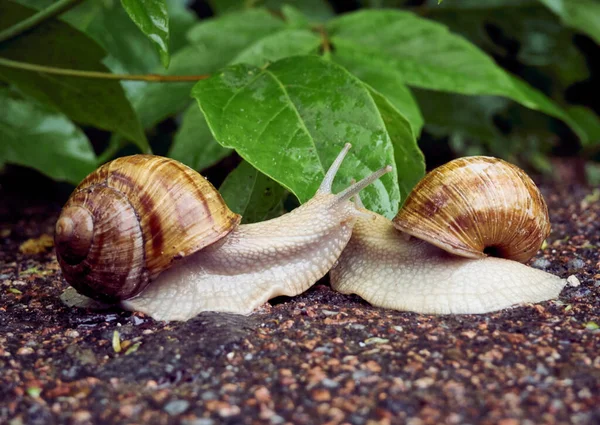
point(227, 267)
point(433, 257)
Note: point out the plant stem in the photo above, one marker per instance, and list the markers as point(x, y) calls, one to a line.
point(325, 42)
point(51, 11)
point(102, 75)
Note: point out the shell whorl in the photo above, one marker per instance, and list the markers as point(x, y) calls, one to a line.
point(130, 219)
point(477, 206)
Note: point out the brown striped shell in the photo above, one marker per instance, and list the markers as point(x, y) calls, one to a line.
point(477, 206)
point(130, 219)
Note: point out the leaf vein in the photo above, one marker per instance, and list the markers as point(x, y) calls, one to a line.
point(303, 124)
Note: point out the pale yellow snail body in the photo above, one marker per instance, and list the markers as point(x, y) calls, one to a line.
point(154, 236)
point(457, 245)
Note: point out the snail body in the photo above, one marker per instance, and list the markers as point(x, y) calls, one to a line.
point(214, 263)
point(457, 245)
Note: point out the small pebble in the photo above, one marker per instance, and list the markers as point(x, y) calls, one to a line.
point(276, 420)
point(573, 281)
point(198, 421)
point(262, 394)
point(576, 264)
point(176, 407)
point(376, 340)
point(23, 351)
point(71, 333)
point(329, 383)
point(229, 410)
point(541, 263)
point(209, 395)
point(81, 416)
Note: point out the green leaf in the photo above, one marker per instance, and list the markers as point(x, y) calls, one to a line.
point(284, 43)
point(544, 42)
point(235, 30)
point(589, 121)
point(410, 161)
point(489, 125)
point(476, 4)
point(583, 15)
point(293, 17)
point(388, 81)
point(215, 43)
point(131, 52)
point(592, 174)
point(152, 18)
point(465, 116)
point(36, 136)
point(100, 103)
point(315, 10)
point(194, 145)
point(428, 56)
point(292, 118)
point(251, 194)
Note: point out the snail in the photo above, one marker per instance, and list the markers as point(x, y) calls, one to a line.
point(458, 244)
point(152, 235)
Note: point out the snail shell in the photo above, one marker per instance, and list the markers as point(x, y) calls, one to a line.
point(477, 206)
point(130, 219)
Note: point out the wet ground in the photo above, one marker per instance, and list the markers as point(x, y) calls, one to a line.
point(318, 358)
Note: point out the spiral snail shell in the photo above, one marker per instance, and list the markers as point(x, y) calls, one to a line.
point(457, 245)
point(476, 206)
point(129, 220)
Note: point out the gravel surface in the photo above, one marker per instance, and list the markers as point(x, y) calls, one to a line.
point(318, 358)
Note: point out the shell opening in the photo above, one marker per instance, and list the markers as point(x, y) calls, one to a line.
point(493, 251)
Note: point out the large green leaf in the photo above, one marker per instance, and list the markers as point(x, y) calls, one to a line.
point(194, 145)
point(316, 10)
point(466, 116)
point(291, 119)
point(152, 18)
point(410, 161)
point(428, 56)
point(36, 136)
point(284, 43)
point(215, 42)
point(100, 103)
point(589, 121)
point(543, 41)
point(131, 51)
point(488, 125)
point(193, 139)
point(251, 194)
point(583, 15)
point(388, 81)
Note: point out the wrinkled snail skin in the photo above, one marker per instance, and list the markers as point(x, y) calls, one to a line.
point(254, 263)
point(433, 257)
point(391, 269)
point(241, 268)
